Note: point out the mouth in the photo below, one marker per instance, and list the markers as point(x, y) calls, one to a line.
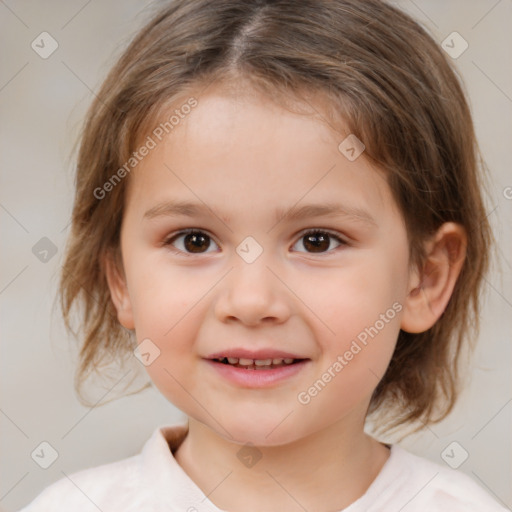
point(263, 368)
point(258, 364)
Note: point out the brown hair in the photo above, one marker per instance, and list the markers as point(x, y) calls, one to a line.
point(395, 90)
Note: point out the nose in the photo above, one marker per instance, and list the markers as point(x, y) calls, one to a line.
point(252, 294)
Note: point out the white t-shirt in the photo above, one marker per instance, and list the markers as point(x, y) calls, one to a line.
point(153, 481)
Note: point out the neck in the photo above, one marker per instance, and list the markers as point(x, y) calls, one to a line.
point(327, 470)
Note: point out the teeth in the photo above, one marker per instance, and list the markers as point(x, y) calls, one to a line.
point(258, 362)
point(263, 362)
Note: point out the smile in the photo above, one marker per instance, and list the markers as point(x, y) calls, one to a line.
point(257, 364)
point(247, 373)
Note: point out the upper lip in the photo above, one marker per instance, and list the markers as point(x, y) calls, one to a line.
point(243, 353)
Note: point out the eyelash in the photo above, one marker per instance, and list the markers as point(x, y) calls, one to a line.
point(168, 241)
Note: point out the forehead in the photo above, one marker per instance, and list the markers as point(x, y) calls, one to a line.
point(242, 150)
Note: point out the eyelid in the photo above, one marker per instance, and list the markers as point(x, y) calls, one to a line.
point(342, 240)
point(168, 239)
point(334, 234)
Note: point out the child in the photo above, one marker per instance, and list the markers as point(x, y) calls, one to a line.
point(278, 211)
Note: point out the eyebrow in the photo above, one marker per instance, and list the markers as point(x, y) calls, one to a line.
point(188, 209)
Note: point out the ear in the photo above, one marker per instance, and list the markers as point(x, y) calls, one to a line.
point(118, 290)
point(431, 287)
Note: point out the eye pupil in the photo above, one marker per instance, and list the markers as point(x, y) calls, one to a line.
point(318, 242)
point(195, 241)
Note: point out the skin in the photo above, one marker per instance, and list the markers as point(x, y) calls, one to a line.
point(244, 156)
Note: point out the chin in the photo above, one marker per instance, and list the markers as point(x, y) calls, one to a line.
point(259, 431)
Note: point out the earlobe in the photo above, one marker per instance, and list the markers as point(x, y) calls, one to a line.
point(431, 287)
point(118, 291)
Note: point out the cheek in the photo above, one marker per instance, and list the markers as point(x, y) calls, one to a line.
point(354, 360)
point(167, 307)
point(162, 294)
point(360, 308)
point(354, 296)
point(172, 325)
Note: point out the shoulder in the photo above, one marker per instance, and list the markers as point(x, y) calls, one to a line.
point(132, 484)
point(431, 486)
point(88, 489)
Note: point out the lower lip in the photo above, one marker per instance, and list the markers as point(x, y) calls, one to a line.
point(257, 378)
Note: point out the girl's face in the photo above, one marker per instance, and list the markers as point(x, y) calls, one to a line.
point(250, 283)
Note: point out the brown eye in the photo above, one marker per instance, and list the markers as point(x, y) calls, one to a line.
point(191, 242)
point(318, 241)
point(194, 242)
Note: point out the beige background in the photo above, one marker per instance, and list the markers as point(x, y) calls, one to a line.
point(42, 102)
